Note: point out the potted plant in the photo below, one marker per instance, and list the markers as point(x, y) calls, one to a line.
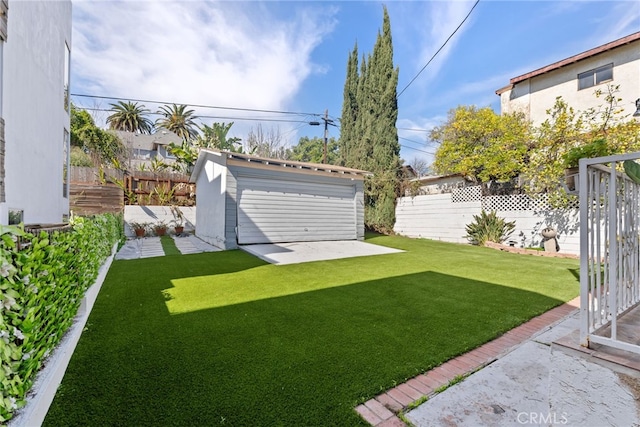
point(160, 228)
point(140, 228)
point(178, 219)
point(596, 148)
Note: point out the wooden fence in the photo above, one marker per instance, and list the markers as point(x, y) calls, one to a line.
point(92, 199)
point(94, 191)
point(164, 188)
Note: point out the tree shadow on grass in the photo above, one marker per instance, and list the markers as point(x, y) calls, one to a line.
point(299, 359)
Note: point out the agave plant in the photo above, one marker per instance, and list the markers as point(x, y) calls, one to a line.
point(488, 227)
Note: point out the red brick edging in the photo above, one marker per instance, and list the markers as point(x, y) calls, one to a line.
point(383, 410)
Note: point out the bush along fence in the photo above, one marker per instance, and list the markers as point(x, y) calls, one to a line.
point(42, 284)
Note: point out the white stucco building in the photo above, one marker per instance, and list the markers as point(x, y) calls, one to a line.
point(35, 49)
point(576, 79)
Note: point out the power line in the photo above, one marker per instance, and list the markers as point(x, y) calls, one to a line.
point(414, 129)
point(196, 105)
point(260, 119)
point(412, 148)
point(416, 149)
point(441, 47)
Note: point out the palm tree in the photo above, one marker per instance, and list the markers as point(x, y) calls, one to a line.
point(128, 116)
point(178, 119)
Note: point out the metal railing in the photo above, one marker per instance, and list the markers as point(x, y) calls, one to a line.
point(609, 249)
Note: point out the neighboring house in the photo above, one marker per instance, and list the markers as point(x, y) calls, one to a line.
point(144, 148)
point(440, 184)
point(35, 51)
point(576, 79)
point(245, 199)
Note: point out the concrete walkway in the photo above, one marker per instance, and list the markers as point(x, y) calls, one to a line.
point(147, 247)
point(518, 379)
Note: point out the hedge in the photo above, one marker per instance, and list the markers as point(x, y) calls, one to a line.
point(42, 282)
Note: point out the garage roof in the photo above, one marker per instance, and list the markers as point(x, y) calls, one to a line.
point(248, 160)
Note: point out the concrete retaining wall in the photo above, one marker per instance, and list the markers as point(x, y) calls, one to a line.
point(155, 214)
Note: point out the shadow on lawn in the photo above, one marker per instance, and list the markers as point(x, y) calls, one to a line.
point(300, 359)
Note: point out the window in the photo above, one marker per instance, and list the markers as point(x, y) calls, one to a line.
point(16, 216)
point(2, 148)
point(66, 159)
point(4, 8)
point(595, 77)
point(67, 65)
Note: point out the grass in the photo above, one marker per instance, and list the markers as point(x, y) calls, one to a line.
point(224, 338)
point(169, 245)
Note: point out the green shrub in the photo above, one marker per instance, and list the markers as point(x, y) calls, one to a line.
point(488, 227)
point(42, 282)
point(79, 158)
point(596, 148)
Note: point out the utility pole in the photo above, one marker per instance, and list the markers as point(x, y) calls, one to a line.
point(326, 118)
point(327, 121)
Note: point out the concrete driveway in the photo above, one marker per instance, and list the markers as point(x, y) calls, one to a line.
point(298, 252)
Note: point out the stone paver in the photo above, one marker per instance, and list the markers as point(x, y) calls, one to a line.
point(147, 247)
point(190, 244)
point(398, 398)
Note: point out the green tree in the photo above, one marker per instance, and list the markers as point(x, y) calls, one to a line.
point(312, 150)
point(349, 109)
point(214, 136)
point(104, 147)
point(481, 144)
point(559, 133)
point(129, 116)
point(179, 120)
point(371, 141)
point(567, 135)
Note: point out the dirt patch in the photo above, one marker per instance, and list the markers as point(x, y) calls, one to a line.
point(505, 248)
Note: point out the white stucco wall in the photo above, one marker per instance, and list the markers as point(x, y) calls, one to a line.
point(33, 71)
point(536, 95)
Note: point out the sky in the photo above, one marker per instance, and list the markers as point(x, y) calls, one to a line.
point(290, 56)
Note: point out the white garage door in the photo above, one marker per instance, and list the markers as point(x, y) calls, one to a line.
point(273, 211)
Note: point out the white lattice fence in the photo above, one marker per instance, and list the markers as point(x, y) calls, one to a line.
point(445, 216)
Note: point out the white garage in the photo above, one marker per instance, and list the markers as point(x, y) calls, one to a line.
point(244, 199)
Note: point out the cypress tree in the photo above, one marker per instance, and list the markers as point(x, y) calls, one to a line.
point(372, 137)
point(349, 108)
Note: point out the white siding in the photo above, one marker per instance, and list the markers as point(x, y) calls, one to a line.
point(280, 210)
point(33, 70)
point(437, 217)
point(434, 217)
point(211, 195)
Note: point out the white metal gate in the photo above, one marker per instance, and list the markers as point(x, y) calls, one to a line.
point(273, 210)
point(609, 249)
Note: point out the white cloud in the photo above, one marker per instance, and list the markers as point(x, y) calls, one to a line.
point(234, 54)
point(442, 19)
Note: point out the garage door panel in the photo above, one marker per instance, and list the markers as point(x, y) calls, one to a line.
point(271, 211)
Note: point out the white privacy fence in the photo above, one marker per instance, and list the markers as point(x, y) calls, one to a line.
point(610, 249)
point(445, 216)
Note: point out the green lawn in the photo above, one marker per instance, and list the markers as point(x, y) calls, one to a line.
point(224, 338)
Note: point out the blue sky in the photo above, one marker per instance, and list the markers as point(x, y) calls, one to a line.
point(291, 56)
